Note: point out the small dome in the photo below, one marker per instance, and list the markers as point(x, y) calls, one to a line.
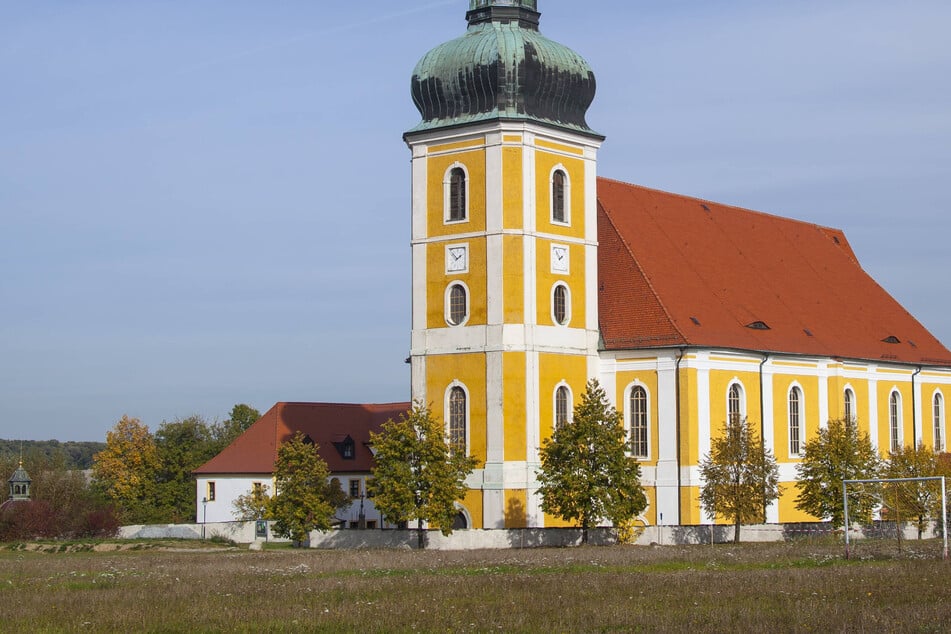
point(20, 476)
point(502, 68)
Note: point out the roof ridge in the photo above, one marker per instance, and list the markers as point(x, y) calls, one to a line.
point(643, 273)
point(720, 204)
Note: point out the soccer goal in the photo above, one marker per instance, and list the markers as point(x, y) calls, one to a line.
point(900, 496)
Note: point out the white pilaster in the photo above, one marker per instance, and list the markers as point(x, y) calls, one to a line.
point(668, 493)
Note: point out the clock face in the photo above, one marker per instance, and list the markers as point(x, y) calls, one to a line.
point(457, 258)
point(559, 258)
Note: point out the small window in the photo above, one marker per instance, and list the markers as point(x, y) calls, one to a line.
point(894, 421)
point(938, 411)
point(562, 406)
point(849, 404)
point(795, 421)
point(457, 186)
point(560, 309)
point(457, 418)
point(458, 308)
point(559, 186)
point(354, 488)
point(211, 492)
point(734, 402)
point(638, 409)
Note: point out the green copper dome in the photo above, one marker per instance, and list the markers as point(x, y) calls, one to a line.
point(502, 68)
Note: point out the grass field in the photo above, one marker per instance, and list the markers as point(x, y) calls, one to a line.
point(172, 587)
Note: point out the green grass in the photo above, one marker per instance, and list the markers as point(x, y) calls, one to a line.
point(797, 587)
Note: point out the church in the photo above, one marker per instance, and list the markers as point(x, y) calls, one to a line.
point(531, 275)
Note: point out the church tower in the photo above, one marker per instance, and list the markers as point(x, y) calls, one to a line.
point(504, 244)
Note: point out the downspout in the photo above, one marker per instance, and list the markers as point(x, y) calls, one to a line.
point(762, 401)
point(679, 451)
point(914, 410)
point(762, 419)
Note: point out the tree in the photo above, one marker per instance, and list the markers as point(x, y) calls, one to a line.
point(62, 504)
point(253, 505)
point(586, 474)
point(300, 503)
point(839, 452)
point(740, 476)
point(241, 417)
point(182, 446)
point(912, 500)
point(416, 474)
point(125, 471)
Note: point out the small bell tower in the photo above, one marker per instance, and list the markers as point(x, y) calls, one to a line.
point(20, 485)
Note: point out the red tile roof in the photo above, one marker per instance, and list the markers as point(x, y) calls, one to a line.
point(255, 450)
point(679, 271)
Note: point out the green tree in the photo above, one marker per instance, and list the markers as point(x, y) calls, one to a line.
point(182, 446)
point(300, 502)
point(740, 476)
point(241, 417)
point(839, 452)
point(126, 470)
point(253, 505)
point(912, 500)
point(416, 474)
point(586, 474)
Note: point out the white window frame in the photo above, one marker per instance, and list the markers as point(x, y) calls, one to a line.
point(551, 196)
point(895, 442)
point(739, 384)
point(554, 404)
point(801, 423)
point(628, 419)
point(447, 197)
point(447, 307)
point(447, 410)
point(846, 391)
point(554, 320)
point(938, 425)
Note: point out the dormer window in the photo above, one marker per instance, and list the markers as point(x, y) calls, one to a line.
point(346, 448)
point(891, 339)
point(757, 325)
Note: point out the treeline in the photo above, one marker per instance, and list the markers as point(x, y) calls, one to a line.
point(77, 455)
point(147, 476)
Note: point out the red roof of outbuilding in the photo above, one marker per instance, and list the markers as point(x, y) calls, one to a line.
point(679, 271)
point(255, 450)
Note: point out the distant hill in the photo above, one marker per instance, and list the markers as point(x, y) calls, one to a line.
point(77, 455)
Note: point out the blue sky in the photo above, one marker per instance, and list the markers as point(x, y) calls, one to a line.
point(206, 203)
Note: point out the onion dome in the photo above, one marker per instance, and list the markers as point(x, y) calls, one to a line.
point(503, 68)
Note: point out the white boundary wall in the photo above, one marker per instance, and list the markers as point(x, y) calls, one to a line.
point(243, 533)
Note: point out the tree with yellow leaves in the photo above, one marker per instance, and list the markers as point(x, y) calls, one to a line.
point(125, 471)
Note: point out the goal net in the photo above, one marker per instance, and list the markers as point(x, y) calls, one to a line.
point(898, 505)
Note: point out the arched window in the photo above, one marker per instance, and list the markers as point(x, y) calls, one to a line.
point(457, 209)
point(795, 421)
point(562, 405)
point(638, 409)
point(848, 402)
point(457, 308)
point(894, 421)
point(560, 305)
point(559, 185)
point(734, 402)
point(938, 410)
point(458, 412)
